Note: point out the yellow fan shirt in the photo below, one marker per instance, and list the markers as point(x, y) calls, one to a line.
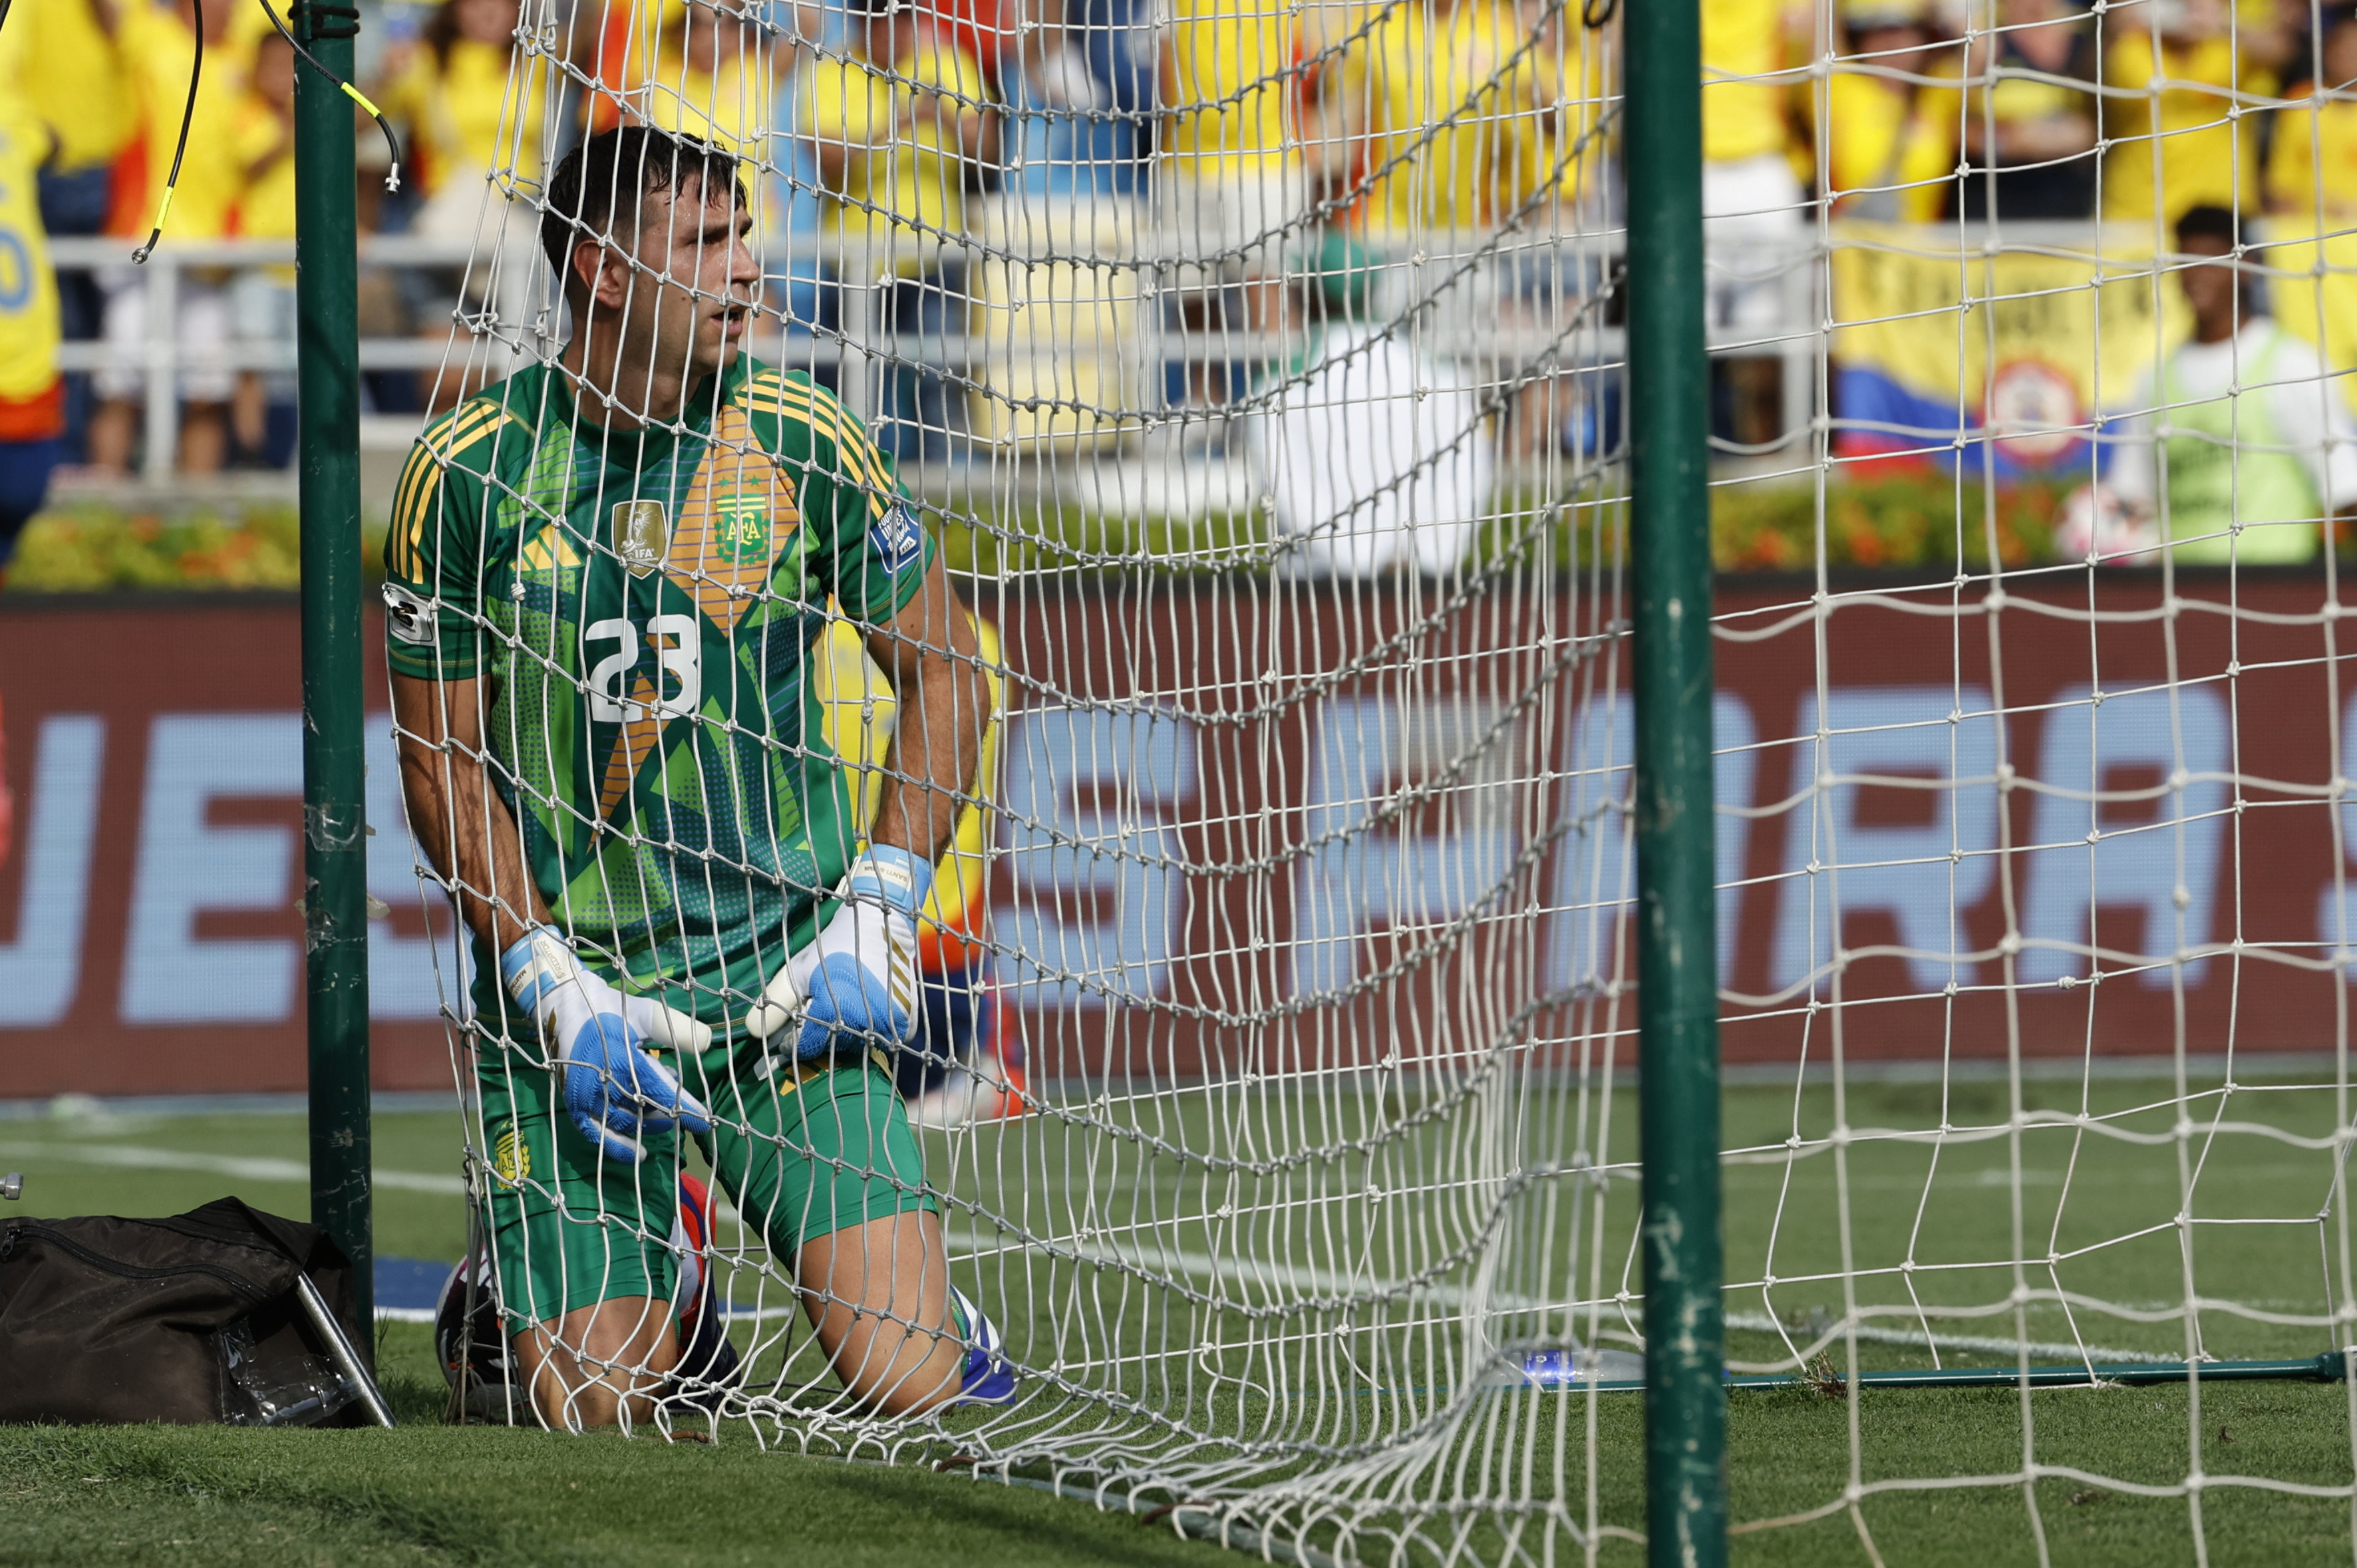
point(1742, 119)
point(904, 179)
point(458, 115)
point(2312, 170)
point(1461, 119)
point(28, 289)
point(1228, 84)
point(1892, 154)
point(2203, 157)
point(266, 209)
point(81, 90)
point(157, 49)
point(728, 106)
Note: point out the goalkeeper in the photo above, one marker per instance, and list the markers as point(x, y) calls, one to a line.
point(604, 578)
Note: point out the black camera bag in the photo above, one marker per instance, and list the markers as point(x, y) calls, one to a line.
point(195, 1318)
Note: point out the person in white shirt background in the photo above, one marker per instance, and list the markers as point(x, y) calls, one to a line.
point(2243, 445)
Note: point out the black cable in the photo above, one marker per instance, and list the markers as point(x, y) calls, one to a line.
point(187, 113)
point(1594, 13)
point(391, 147)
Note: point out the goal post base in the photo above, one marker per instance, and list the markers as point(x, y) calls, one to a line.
point(2331, 1367)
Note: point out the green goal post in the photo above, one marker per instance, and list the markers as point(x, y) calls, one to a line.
point(334, 826)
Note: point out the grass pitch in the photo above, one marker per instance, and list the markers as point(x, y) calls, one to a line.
point(427, 1493)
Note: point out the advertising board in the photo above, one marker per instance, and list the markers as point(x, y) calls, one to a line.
point(1339, 826)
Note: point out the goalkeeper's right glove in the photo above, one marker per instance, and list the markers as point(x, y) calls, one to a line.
point(613, 1090)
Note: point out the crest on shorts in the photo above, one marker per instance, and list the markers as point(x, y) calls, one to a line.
point(510, 1157)
point(641, 535)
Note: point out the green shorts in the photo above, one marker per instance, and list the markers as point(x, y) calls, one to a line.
point(801, 1154)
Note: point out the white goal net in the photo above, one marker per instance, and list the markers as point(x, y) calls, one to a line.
point(1255, 373)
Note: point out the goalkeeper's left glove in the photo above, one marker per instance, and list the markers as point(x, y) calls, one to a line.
point(595, 1035)
point(858, 981)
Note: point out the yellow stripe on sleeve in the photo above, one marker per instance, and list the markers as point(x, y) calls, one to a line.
point(421, 478)
point(856, 454)
point(400, 548)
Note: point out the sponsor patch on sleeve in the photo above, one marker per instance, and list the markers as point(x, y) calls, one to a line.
point(408, 616)
point(897, 540)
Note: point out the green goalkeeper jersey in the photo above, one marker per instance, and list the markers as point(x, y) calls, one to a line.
point(640, 608)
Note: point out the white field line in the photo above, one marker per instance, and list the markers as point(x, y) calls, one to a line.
point(138, 1156)
point(1200, 1265)
point(1759, 1322)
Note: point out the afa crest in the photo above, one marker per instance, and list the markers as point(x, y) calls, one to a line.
point(741, 526)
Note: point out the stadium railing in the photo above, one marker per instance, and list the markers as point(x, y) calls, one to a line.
point(1498, 302)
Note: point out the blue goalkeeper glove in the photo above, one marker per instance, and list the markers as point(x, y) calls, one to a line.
point(857, 985)
point(613, 1090)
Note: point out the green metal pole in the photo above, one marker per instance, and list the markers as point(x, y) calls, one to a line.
point(334, 838)
point(1678, 997)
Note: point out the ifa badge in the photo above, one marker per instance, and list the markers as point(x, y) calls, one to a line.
point(641, 535)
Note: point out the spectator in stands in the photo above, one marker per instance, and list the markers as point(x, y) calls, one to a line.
point(2246, 445)
point(1116, 38)
point(2175, 146)
point(985, 32)
point(1069, 97)
point(84, 99)
point(712, 80)
point(1474, 113)
point(900, 124)
point(1577, 82)
point(1753, 226)
point(1461, 102)
point(1889, 140)
point(2312, 170)
point(452, 103)
point(1233, 190)
point(461, 123)
point(2029, 118)
point(1372, 453)
point(789, 191)
point(31, 398)
point(156, 46)
point(262, 300)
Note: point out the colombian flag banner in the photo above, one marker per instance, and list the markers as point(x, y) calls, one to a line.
point(1999, 359)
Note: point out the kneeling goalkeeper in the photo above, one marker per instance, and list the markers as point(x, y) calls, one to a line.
point(604, 578)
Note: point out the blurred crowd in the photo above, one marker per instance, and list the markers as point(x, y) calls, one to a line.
point(1253, 151)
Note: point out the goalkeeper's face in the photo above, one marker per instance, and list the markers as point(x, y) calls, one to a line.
point(691, 295)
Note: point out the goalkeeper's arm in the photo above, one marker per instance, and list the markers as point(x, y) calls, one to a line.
point(933, 658)
point(461, 821)
point(857, 984)
point(613, 1090)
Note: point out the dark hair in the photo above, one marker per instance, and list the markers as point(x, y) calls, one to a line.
point(596, 191)
point(442, 32)
point(2207, 222)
